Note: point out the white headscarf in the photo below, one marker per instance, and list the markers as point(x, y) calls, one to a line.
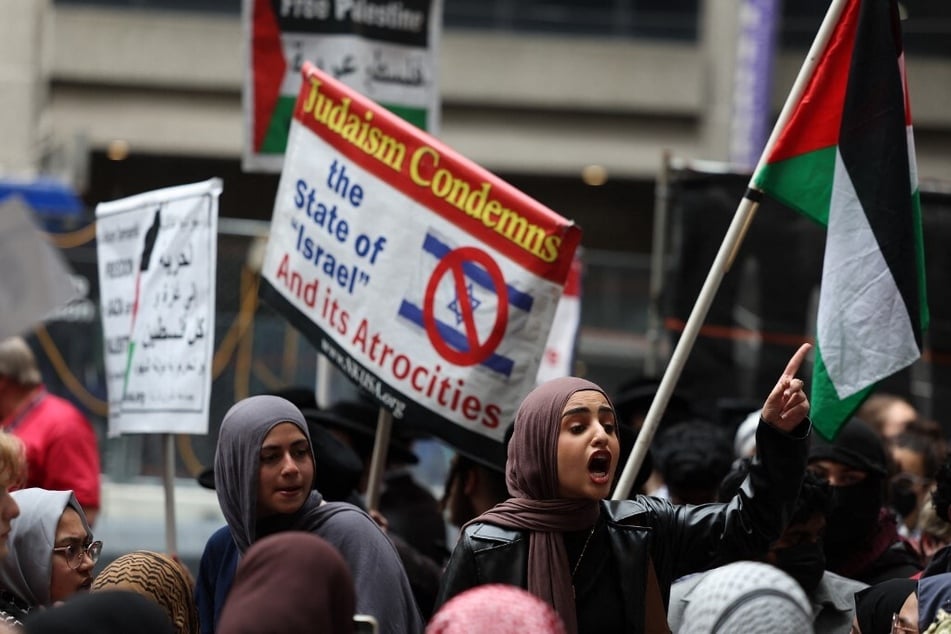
point(27, 570)
point(747, 596)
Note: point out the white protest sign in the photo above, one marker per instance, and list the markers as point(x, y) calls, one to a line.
point(157, 261)
point(36, 279)
point(560, 349)
point(386, 50)
point(427, 280)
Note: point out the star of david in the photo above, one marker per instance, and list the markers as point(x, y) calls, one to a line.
point(457, 310)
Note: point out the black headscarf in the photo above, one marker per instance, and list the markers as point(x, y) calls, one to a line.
point(107, 612)
point(875, 605)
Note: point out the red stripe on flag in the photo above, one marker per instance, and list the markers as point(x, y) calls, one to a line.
point(904, 84)
point(268, 67)
point(815, 122)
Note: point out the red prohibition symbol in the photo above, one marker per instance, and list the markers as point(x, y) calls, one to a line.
point(452, 263)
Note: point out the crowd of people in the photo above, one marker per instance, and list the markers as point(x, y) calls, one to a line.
point(757, 526)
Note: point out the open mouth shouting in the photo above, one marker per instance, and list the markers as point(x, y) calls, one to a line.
point(599, 466)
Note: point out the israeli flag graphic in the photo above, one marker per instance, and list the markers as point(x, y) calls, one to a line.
point(454, 312)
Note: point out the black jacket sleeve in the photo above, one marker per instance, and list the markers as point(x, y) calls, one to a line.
point(695, 538)
point(485, 553)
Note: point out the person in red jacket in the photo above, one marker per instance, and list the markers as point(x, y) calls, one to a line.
point(61, 449)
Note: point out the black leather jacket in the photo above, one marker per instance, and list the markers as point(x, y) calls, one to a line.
point(680, 539)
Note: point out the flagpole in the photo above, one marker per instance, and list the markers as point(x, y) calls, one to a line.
point(168, 481)
point(724, 258)
point(384, 425)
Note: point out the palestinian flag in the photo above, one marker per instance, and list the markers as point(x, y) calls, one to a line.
point(847, 159)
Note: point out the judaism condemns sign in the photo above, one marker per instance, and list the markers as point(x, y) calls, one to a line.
point(427, 280)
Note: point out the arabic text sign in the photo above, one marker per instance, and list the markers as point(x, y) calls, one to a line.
point(429, 281)
point(156, 255)
point(385, 50)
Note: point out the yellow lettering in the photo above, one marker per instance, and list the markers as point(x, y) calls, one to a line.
point(391, 153)
point(414, 162)
point(425, 171)
point(351, 129)
point(491, 213)
point(312, 95)
point(550, 250)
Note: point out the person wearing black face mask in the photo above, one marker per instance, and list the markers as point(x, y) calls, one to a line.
point(798, 552)
point(861, 539)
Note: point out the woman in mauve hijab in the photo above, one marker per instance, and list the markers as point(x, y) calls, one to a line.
point(607, 566)
point(264, 475)
point(310, 590)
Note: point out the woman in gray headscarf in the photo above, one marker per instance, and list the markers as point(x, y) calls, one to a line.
point(264, 474)
point(52, 553)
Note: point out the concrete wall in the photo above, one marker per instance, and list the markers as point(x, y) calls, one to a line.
point(170, 83)
point(23, 85)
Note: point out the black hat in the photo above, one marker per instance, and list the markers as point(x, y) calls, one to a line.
point(359, 420)
point(207, 478)
point(856, 446)
point(636, 395)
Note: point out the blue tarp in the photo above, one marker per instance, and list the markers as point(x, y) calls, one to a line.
point(46, 196)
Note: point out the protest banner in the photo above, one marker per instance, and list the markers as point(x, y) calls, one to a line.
point(157, 261)
point(559, 356)
point(385, 50)
point(36, 279)
point(427, 280)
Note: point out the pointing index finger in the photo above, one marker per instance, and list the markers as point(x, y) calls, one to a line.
point(793, 366)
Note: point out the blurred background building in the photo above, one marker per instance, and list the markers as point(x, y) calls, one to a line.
point(579, 103)
point(573, 101)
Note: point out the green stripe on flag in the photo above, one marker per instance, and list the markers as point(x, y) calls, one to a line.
point(416, 116)
point(826, 410)
point(925, 315)
point(803, 182)
point(275, 139)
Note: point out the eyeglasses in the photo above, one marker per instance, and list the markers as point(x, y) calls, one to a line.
point(75, 553)
point(901, 626)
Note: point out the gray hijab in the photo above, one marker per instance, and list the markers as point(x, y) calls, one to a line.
point(238, 463)
point(385, 591)
point(27, 570)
